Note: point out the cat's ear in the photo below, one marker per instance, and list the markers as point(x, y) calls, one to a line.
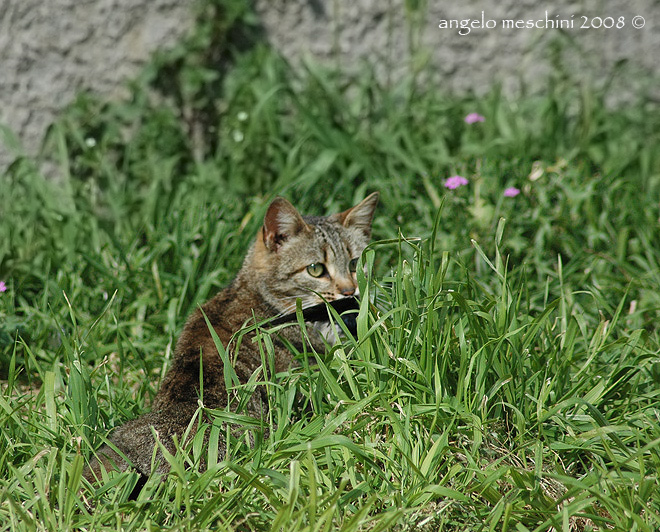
point(361, 215)
point(281, 222)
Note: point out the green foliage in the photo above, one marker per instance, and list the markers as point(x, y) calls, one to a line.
point(506, 369)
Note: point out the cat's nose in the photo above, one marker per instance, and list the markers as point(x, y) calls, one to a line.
point(347, 289)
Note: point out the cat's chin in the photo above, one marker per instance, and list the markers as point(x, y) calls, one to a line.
point(329, 331)
point(289, 308)
point(318, 315)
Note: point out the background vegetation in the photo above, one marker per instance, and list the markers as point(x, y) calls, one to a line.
point(509, 378)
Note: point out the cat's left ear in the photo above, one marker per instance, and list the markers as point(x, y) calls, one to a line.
point(281, 222)
point(361, 215)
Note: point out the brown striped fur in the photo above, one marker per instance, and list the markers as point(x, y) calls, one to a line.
point(274, 274)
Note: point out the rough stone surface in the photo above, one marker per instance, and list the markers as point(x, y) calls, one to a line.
point(378, 32)
point(50, 49)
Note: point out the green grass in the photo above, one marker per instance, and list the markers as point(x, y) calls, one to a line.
point(507, 378)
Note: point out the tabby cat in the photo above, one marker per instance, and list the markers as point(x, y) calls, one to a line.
point(293, 257)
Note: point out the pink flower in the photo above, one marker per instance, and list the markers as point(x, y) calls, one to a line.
point(455, 182)
point(474, 117)
point(3, 286)
point(511, 192)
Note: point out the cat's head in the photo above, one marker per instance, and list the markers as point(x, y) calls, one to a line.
point(309, 257)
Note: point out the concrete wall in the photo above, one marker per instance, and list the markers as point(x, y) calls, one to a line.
point(378, 31)
point(49, 49)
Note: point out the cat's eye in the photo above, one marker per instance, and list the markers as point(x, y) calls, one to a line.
point(352, 266)
point(316, 270)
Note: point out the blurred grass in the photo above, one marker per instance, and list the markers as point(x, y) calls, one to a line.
point(507, 377)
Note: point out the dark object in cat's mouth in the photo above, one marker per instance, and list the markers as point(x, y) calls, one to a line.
point(320, 313)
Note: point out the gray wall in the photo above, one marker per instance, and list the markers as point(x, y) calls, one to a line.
point(378, 32)
point(49, 49)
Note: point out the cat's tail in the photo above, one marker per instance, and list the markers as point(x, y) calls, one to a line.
point(133, 446)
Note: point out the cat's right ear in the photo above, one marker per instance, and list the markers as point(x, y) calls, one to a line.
point(281, 222)
point(359, 216)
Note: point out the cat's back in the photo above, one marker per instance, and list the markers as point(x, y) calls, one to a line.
point(225, 314)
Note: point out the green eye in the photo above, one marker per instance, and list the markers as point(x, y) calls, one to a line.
point(316, 270)
point(352, 266)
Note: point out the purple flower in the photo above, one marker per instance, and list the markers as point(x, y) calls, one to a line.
point(455, 181)
point(511, 192)
point(474, 117)
point(3, 286)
